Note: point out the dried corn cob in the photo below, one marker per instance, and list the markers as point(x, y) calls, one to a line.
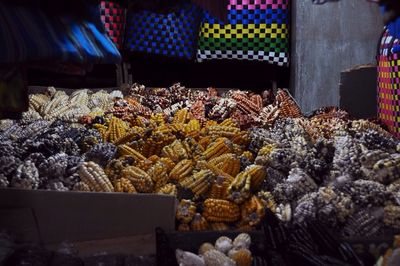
point(199, 183)
point(223, 131)
point(252, 211)
point(159, 174)
point(124, 185)
point(168, 189)
point(229, 163)
point(199, 223)
point(239, 190)
point(258, 173)
point(217, 210)
point(117, 129)
point(175, 151)
point(218, 148)
point(185, 211)
point(183, 169)
point(139, 179)
point(93, 175)
point(126, 150)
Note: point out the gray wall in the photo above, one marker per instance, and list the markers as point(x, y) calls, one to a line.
point(327, 39)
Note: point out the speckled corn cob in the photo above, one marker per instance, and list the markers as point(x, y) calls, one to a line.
point(159, 174)
point(199, 183)
point(168, 189)
point(126, 150)
point(239, 190)
point(139, 178)
point(93, 175)
point(183, 169)
point(124, 185)
point(392, 216)
point(217, 210)
point(168, 163)
point(176, 151)
point(267, 199)
point(220, 147)
point(185, 211)
point(252, 211)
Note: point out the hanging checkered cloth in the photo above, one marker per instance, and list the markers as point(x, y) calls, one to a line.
point(172, 34)
point(257, 30)
point(389, 83)
point(113, 17)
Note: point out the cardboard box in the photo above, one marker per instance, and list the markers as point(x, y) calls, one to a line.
point(51, 217)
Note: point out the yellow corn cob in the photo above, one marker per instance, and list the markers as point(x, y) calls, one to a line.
point(139, 179)
point(145, 164)
point(204, 142)
point(114, 167)
point(229, 122)
point(215, 170)
point(159, 174)
point(239, 190)
point(252, 211)
point(183, 169)
point(248, 155)
point(185, 211)
point(124, 185)
point(126, 150)
point(218, 210)
point(175, 151)
point(181, 116)
point(218, 148)
point(242, 138)
point(229, 163)
point(223, 131)
point(103, 130)
point(158, 119)
point(128, 137)
point(258, 173)
point(168, 189)
point(168, 163)
point(117, 129)
point(193, 125)
point(199, 223)
point(93, 175)
point(199, 183)
point(219, 189)
point(152, 147)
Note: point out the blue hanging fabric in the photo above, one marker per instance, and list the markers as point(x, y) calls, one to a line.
point(172, 34)
point(30, 35)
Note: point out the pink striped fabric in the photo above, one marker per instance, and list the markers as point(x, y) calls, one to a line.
point(256, 4)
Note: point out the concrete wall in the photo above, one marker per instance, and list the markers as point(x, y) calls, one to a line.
point(327, 39)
